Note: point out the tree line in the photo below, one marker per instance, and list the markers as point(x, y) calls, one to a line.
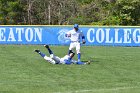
point(68, 12)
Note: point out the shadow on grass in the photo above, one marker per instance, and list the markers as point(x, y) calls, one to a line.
point(90, 60)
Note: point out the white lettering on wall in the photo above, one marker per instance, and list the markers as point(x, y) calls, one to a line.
point(2, 35)
point(127, 38)
point(19, 31)
point(97, 35)
point(136, 37)
point(11, 36)
point(29, 34)
point(100, 35)
point(89, 33)
point(117, 37)
point(108, 39)
point(38, 33)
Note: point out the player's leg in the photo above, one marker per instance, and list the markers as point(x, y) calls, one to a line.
point(48, 48)
point(55, 58)
point(78, 52)
point(50, 60)
point(45, 57)
point(72, 45)
point(82, 63)
point(71, 55)
point(39, 52)
point(70, 50)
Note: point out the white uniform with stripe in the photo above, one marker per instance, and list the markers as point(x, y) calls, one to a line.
point(75, 39)
point(55, 59)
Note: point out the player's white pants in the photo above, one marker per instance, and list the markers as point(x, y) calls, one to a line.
point(52, 59)
point(75, 45)
point(57, 60)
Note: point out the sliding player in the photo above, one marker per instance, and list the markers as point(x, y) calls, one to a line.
point(67, 59)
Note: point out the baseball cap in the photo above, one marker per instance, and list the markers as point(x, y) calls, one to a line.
point(76, 26)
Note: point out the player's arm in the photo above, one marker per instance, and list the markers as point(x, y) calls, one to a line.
point(83, 38)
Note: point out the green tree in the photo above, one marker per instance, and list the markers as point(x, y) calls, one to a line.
point(10, 12)
point(96, 11)
point(58, 12)
point(128, 12)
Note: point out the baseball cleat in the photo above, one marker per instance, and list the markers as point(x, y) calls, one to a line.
point(37, 50)
point(47, 46)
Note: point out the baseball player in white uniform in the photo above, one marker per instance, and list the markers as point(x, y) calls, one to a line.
point(75, 35)
point(67, 59)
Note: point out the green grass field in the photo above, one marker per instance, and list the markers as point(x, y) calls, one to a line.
point(114, 70)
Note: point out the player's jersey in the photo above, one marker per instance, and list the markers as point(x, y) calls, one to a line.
point(64, 59)
point(75, 35)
